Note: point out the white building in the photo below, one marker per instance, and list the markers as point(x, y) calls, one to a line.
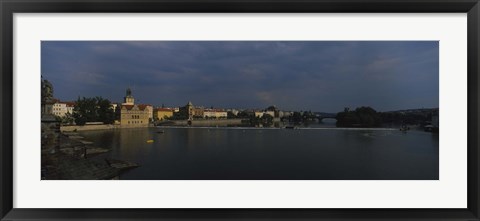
point(260, 114)
point(62, 108)
point(271, 113)
point(214, 113)
point(150, 111)
point(233, 111)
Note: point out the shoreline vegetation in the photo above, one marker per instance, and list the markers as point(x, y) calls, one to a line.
point(362, 117)
point(366, 117)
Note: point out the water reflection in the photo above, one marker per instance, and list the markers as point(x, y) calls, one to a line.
point(270, 153)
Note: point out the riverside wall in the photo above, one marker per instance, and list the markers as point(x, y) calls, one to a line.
point(198, 123)
point(97, 127)
point(203, 122)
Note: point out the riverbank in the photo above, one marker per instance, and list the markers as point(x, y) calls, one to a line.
point(97, 127)
point(202, 122)
point(76, 160)
point(194, 123)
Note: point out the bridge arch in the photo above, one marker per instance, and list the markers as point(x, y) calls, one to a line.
point(320, 117)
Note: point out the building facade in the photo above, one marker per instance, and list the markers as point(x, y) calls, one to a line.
point(215, 114)
point(191, 112)
point(150, 111)
point(260, 114)
point(163, 113)
point(62, 108)
point(128, 99)
point(134, 115)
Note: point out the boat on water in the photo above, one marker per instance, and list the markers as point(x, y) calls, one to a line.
point(160, 132)
point(404, 128)
point(149, 141)
point(428, 128)
point(290, 127)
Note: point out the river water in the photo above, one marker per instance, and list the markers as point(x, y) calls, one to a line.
point(316, 152)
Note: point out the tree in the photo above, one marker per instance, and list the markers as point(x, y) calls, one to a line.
point(84, 110)
point(93, 110)
point(308, 116)
point(267, 119)
point(230, 115)
point(67, 119)
point(361, 117)
point(243, 114)
point(297, 117)
point(105, 112)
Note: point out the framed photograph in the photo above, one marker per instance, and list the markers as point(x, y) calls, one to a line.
point(239, 110)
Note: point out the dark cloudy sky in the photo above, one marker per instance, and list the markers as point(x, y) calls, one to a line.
point(293, 75)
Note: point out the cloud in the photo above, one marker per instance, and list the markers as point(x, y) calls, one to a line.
point(105, 48)
point(253, 73)
point(266, 98)
point(87, 78)
point(383, 64)
point(316, 75)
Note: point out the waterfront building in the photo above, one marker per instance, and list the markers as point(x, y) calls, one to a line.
point(150, 111)
point(114, 106)
point(190, 112)
point(134, 115)
point(187, 111)
point(271, 113)
point(198, 112)
point(62, 108)
point(233, 111)
point(215, 113)
point(128, 99)
point(262, 113)
point(163, 113)
point(258, 113)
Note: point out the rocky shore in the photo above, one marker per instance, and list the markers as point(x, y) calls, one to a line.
point(75, 160)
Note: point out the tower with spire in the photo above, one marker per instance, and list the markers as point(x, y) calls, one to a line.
point(134, 115)
point(128, 99)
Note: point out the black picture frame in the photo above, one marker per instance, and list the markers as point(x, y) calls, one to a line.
point(9, 7)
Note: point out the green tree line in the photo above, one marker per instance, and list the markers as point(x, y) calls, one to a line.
point(95, 109)
point(360, 117)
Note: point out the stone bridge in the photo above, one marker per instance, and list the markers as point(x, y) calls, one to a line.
point(322, 116)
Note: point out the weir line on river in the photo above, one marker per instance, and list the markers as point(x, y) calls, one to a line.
point(277, 128)
point(249, 153)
